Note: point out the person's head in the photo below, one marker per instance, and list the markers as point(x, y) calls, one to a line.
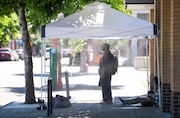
point(105, 47)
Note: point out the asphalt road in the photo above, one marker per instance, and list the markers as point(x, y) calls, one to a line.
point(12, 79)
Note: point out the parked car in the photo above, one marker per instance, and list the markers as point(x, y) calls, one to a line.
point(77, 59)
point(66, 52)
point(20, 53)
point(15, 55)
point(6, 54)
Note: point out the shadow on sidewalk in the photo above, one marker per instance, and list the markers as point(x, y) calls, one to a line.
point(90, 87)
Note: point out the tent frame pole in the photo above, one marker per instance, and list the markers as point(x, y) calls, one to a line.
point(158, 69)
point(41, 67)
point(147, 63)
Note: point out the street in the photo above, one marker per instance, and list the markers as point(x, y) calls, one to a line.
point(12, 85)
point(12, 79)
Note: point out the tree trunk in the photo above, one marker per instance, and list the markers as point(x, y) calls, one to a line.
point(84, 60)
point(30, 95)
point(59, 67)
point(129, 53)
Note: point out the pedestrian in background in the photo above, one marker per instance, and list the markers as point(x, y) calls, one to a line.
point(105, 74)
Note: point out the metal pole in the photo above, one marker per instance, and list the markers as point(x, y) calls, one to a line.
point(50, 95)
point(41, 66)
point(67, 83)
point(147, 42)
point(49, 105)
point(45, 79)
point(158, 70)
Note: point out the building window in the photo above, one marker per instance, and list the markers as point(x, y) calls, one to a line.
point(143, 16)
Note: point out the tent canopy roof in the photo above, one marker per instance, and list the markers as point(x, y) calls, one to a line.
point(98, 20)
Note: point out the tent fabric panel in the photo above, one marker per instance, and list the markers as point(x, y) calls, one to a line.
point(96, 32)
point(99, 20)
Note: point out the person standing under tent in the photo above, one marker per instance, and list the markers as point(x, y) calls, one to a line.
point(105, 74)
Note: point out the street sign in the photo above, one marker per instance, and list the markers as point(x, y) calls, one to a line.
point(53, 68)
point(19, 42)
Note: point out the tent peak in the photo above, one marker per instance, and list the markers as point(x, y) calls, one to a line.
point(97, 5)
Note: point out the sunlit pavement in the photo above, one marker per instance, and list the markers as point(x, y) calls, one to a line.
point(83, 86)
point(123, 83)
point(86, 94)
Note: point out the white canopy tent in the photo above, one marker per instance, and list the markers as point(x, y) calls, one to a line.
point(99, 21)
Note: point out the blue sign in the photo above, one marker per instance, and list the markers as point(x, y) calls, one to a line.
point(53, 68)
point(19, 42)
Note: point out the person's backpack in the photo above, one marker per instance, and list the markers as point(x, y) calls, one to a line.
point(114, 65)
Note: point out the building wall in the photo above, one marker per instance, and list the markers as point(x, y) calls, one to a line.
point(157, 19)
point(139, 46)
point(175, 58)
point(166, 15)
point(165, 54)
point(152, 55)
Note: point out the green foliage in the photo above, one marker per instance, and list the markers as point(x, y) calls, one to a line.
point(7, 7)
point(9, 28)
point(43, 12)
point(40, 12)
point(65, 43)
point(36, 42)
point(113, 43)
point(77, 45)
point(119, 5)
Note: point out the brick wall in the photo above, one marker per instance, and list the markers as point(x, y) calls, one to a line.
point(157, 20)
point(166, 97)
point(152, 54)
point(165, 54)
point(175, 58)
point(175, 105)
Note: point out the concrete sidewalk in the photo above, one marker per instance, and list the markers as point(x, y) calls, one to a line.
point(86, 95)
point(85, 110)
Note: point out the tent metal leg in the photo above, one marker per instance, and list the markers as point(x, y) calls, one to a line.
point(41, 66)
point(158, 70)
point(147, 42)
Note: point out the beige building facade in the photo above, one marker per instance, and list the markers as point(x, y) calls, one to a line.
point(166, 14)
